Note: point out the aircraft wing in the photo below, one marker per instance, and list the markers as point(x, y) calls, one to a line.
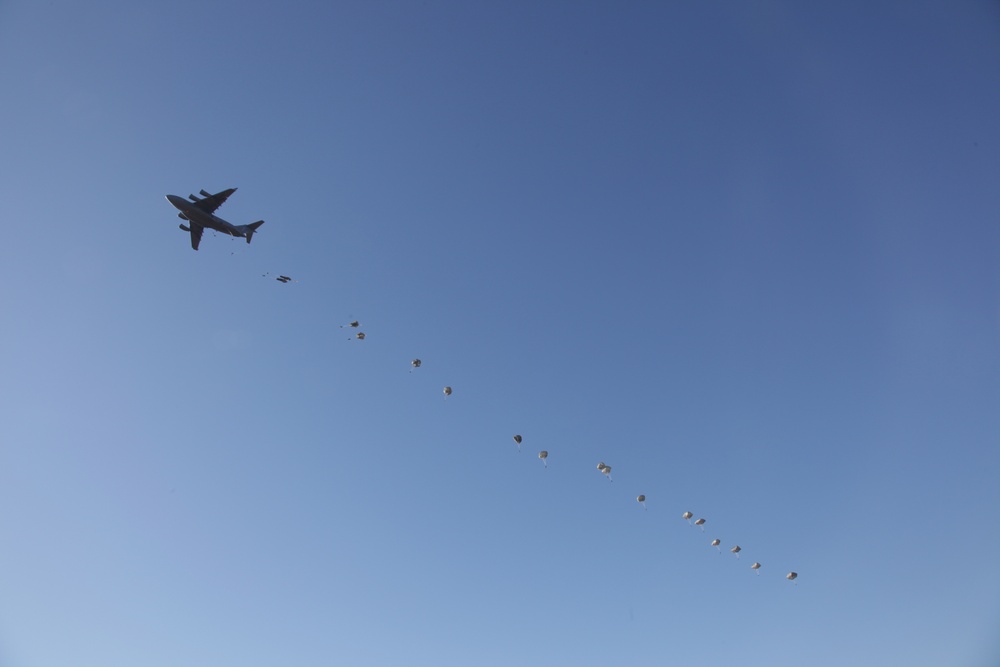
point(196, 231)
point(212, 202)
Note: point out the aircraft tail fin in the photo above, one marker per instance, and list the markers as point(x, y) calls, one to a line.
point(251, 228)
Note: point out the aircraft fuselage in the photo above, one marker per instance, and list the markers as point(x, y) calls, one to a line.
point(196, 216)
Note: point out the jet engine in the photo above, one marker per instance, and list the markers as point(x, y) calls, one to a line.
point(185, 228)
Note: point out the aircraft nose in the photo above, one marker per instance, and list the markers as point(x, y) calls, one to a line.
point(173, 199)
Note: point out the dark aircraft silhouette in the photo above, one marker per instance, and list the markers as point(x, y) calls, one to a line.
point(200, 213)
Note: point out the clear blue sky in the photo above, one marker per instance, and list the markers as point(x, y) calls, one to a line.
point(748, 254)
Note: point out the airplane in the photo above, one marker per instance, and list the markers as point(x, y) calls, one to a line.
point(200, 213)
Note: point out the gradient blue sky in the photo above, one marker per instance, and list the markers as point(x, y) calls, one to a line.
point(748, 254)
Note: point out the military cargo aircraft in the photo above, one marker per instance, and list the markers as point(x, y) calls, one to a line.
point(200, 213)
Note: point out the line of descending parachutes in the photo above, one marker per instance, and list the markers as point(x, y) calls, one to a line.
point(605, 469)
point(700, 522)
point(543, 455)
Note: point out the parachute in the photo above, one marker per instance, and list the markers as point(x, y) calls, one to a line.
point(606, 469)
point(544, 455)
point(517, 439)
point(447, 392)
point(687, 515)
point(736, 550)
point(641, 499)
point(701, 524)
point(792, 576)
point(415, 363)
point(756, 568)
point(715, 543)
point(360, 335)
point(354, 325)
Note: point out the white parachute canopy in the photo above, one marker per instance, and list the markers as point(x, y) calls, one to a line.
point(606, 469)
point(641, 499)
point(792, 576)
point(701, 524)
point(715, 543)
point(687, 515)
point(415, 363)
point(736, 550)
point(447, 391)
point(544, 455)
point(756, 568)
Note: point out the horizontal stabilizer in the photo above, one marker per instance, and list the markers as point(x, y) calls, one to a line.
point(251, 228)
